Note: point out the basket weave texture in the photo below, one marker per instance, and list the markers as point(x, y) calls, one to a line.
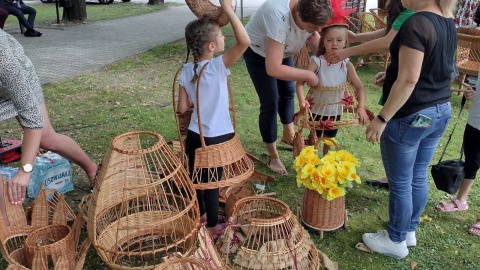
point(219, 165)
point(321, 214)
point(54, 241)
point(343, 95)
point(43, 215)
point(184, 263)
point(235, 193)
point(208, 8)
point(143, 206)
point(468, 54)
point(264, 234)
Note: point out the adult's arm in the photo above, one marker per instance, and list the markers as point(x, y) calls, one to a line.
point(17, 186)
point(275, 68)
point(382, 43)
point(409, 67)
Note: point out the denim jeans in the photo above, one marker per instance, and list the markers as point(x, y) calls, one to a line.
point(406, 153)
point(276, 96)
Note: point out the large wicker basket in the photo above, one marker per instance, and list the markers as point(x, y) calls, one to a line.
point(143, 206)
point(264, 234)
point(321, 214)
point(183, 263)
point(209, 8)
point(218, 165)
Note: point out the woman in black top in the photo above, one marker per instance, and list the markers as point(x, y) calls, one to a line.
point(415, 114)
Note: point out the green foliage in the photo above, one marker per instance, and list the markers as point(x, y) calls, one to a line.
point(47, 14)
point(135, 94)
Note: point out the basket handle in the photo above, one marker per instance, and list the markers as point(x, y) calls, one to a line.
point(232, 104)
point(177, 120)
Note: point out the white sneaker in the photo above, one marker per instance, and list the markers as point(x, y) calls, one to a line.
point(411, 239)
point(381, 243)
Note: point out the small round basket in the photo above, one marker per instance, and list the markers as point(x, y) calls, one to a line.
point(209, 8)
point(53, 242)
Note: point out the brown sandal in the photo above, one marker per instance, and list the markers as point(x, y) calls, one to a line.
point(276, 169)
point(287, 138)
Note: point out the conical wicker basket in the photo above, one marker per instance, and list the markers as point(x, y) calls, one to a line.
point(343, 96)
point(264, 234)
point(209, 8)
point(229, 157)
point(143, 206)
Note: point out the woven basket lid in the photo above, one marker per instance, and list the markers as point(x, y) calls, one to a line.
point(210, 8)
point(143, 206)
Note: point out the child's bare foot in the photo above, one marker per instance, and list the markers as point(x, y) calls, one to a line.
point(475, 228)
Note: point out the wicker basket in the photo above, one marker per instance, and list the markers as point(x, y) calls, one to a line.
point(209, 8)
point(235, 193)
point(264, 234)
point(54, 241)
point(321, 214)
point(344, 96)
point(185, 263)
point(143, 206)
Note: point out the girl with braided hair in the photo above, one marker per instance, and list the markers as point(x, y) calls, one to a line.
point(204, 39)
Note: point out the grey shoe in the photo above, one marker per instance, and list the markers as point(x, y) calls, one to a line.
point(381, 243)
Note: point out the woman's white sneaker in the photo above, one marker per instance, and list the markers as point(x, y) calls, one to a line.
point(381, 243)
point(411, 239)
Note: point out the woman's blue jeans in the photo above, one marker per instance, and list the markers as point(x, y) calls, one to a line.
point(276, 96)
point(406, 153)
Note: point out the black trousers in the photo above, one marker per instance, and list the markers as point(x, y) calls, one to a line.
point(208, 199)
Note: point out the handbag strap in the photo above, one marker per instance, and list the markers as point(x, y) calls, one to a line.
point(464, 100)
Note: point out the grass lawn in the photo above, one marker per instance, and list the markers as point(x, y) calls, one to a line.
point(135, 94)
point(47, 14)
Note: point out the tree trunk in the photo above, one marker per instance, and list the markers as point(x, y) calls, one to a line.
point(76, 11)
point(155, 2)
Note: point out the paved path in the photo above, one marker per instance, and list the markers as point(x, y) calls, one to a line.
point(65, 52)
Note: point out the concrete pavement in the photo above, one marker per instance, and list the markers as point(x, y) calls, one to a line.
point(64, 52)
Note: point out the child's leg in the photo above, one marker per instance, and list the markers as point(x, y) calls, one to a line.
point(211, 199)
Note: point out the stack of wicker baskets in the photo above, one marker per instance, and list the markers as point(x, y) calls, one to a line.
point(264, 234)
point(143, 206)
point(46, 241)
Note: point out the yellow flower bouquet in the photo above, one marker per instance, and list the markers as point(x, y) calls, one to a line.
point(330, 176)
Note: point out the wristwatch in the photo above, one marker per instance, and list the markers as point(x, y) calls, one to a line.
point(27, 167)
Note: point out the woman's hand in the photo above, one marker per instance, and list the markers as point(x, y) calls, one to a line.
point(17, 187)
point(379, 79)
point(375, 130)
point(469, 94)
point(336, 56)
